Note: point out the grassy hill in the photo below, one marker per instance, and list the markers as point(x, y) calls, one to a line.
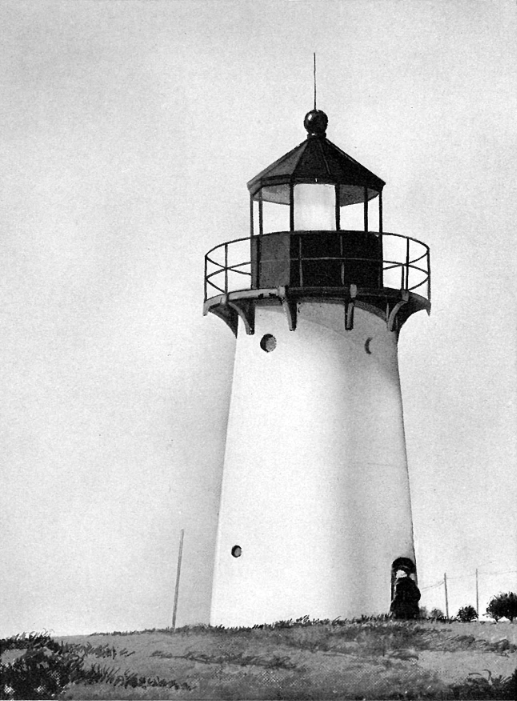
point(371, 659)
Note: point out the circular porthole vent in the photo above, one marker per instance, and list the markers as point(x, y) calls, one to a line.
point(268, 342)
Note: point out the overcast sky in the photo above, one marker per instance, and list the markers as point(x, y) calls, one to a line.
point(128, 133)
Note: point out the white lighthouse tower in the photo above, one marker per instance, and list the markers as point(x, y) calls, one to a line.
point(315, 507)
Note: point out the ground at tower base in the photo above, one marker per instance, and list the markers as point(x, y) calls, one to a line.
point(364, 659)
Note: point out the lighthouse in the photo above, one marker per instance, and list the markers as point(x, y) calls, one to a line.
point(315, 510)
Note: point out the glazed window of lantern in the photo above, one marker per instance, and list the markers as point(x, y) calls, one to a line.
point(314, 207)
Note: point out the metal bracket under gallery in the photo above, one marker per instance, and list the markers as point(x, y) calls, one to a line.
point(393, 306)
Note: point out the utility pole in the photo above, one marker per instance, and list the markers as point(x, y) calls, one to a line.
point(477, 593)
point(446, 596)
point(178, 572)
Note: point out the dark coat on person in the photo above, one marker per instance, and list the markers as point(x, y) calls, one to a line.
point(405, 599)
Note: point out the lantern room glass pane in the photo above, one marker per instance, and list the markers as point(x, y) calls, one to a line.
point(276, 217)
point(314, 207)
point(255, 224)
point(351, 217)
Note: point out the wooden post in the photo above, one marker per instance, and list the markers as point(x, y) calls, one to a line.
point(477, 593)
point(446, 596)
point(178, 572)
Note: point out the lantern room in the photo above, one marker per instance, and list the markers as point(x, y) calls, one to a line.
point(316, 230)
point(309, 188)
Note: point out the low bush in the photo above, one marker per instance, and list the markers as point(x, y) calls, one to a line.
point(437, 615)
point(42, 671)
point(466, 614)
point(503, 606)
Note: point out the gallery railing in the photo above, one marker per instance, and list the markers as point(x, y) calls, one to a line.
point(400, 262)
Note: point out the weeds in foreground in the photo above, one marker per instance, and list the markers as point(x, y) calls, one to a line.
point(41, 672)
point(303, 621)
point(485, 686)
point(98, 650)
point(381, 662)
point(46, 667)
point(239, 659)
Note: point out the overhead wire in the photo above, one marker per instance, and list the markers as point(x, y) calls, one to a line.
point(465, 576)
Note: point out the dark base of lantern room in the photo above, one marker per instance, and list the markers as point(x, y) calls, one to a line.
point(316, 259)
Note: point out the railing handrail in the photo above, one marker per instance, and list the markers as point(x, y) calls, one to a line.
point(395, 263)
point(315, 231)
point(229, 243)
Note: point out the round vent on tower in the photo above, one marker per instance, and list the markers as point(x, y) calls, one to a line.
point(268, 342)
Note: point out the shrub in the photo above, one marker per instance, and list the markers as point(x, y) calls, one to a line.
point(437, 615)
point(503, 606)
point(467, 614)
point(43, 670)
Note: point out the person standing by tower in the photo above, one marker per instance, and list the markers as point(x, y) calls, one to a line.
point(406, 596)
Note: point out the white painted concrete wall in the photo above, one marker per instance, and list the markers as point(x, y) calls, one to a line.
point(315, 486)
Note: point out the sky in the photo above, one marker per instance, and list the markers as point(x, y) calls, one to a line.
point(128, 132)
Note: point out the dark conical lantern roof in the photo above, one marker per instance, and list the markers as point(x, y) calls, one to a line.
point(315, 160)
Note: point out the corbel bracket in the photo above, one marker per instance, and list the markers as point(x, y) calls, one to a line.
point(289, 306)
point(227, 314)
point(246, 310)
point(392, 315)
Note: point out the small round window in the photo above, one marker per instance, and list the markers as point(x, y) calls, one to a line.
point(268, 343)
point(236, 551)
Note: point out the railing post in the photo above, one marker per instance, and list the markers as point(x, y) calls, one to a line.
point(205, 280)
point(226, 268)
point(407, 264)
point(429, 275)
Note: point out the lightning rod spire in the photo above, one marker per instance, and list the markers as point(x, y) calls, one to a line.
point(314, 56)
